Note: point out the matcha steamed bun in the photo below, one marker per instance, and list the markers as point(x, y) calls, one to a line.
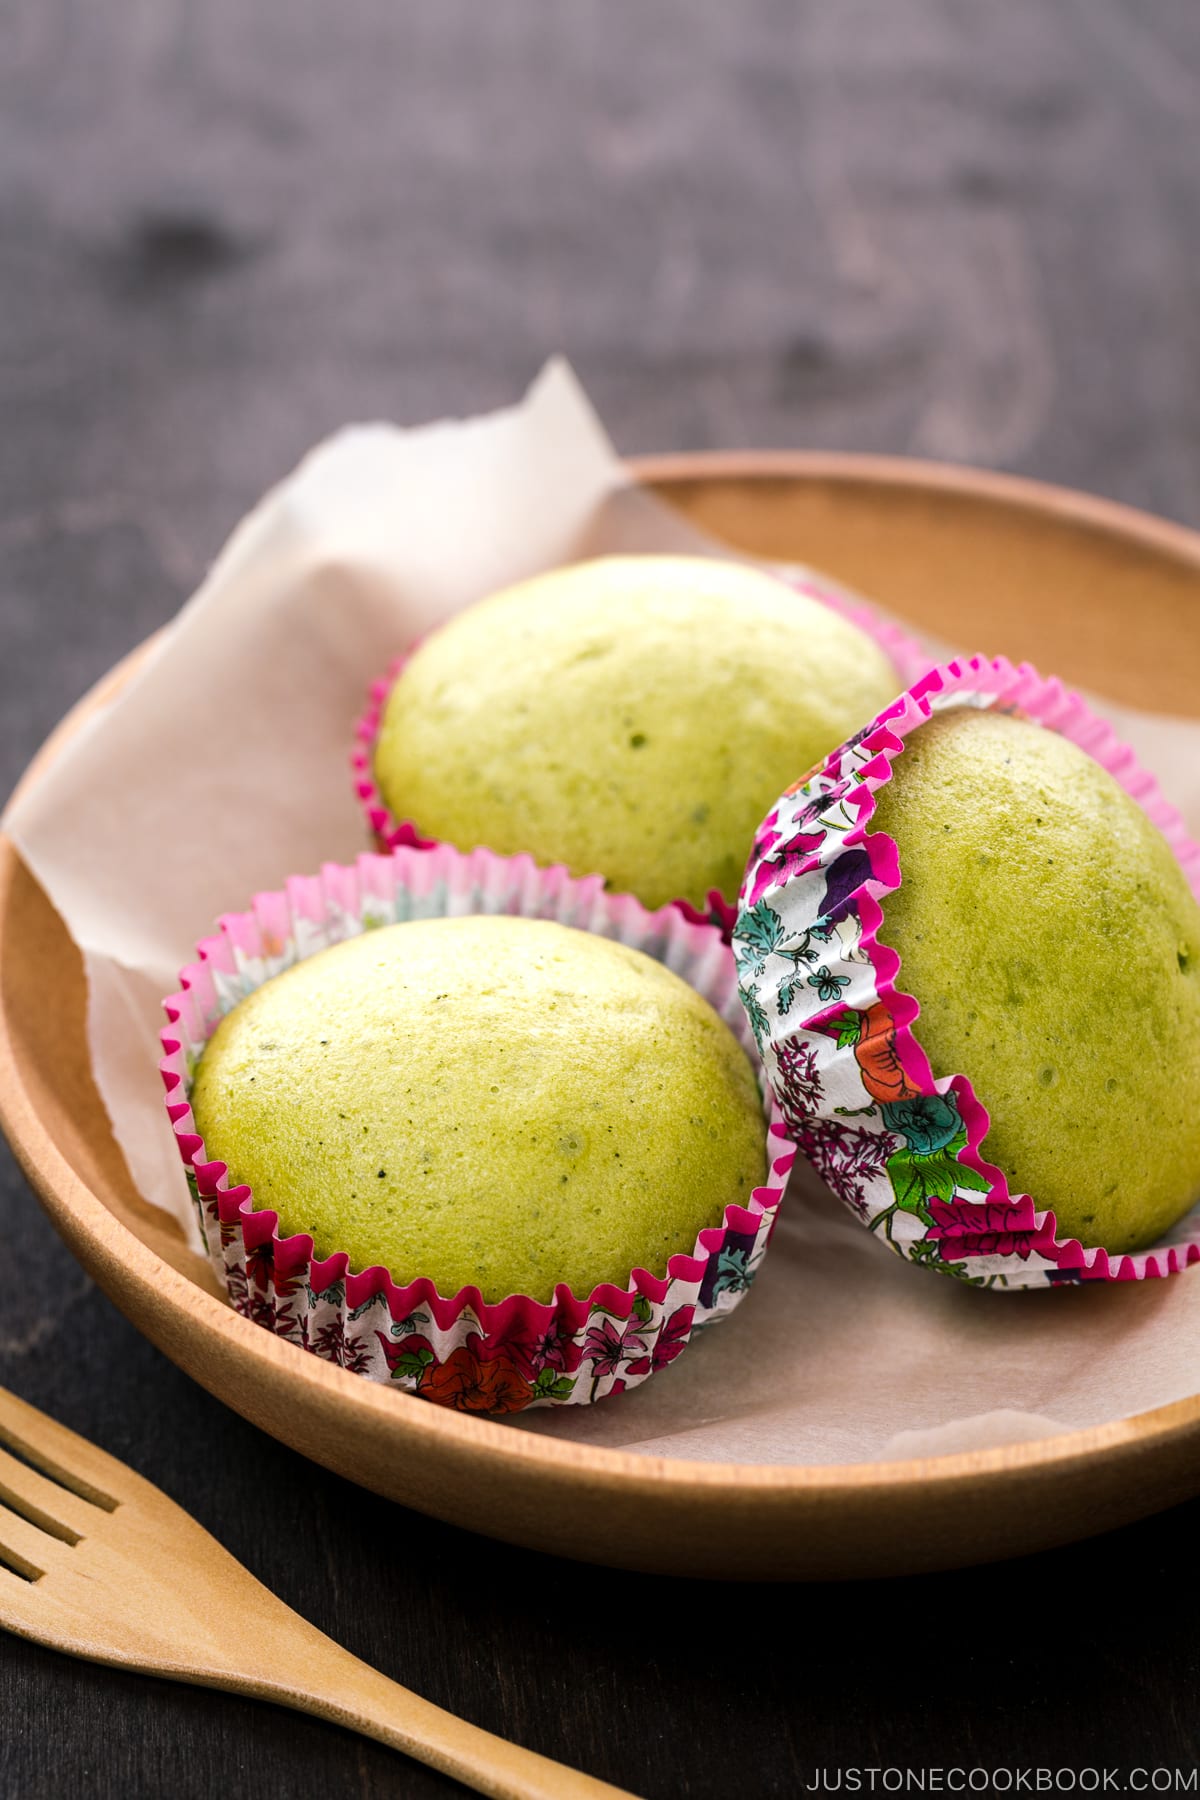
point(633, 716)
point(1052, 942)
point(493, 1101)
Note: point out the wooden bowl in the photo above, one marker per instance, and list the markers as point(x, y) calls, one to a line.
point(987, 563)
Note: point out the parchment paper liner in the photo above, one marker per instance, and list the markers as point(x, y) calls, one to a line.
point(459, 1350)
point(835, 1029)
point(389, 833)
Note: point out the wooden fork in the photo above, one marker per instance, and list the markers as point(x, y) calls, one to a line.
point(99, 1563)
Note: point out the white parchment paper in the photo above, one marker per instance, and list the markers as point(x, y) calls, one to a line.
point(222, 767)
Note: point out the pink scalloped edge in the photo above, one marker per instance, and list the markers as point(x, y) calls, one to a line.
point(1002, 1234)
point(911, 660)
point(461, 1350)
point(390, 833)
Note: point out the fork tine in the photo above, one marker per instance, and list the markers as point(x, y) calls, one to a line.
point(61, 1455)
point(45, 1503)
point(23, 1547)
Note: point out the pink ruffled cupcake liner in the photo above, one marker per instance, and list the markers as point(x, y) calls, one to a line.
point(458, 1350)
point(390, 833)
point(902, 1149)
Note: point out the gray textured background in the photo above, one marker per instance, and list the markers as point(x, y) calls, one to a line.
point(943, 227)
point(938, 226)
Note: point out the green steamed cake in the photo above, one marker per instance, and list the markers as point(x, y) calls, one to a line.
point(1049, 936)
point(495, 1101)
point(635, 716)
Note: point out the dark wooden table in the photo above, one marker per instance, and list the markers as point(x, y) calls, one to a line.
point(954, 230)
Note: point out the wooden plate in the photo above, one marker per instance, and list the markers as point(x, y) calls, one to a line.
point(986, 562)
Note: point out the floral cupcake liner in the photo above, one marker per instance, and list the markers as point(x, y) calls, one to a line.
point(458, 1350)
point(902, 1149)
point(390, 833)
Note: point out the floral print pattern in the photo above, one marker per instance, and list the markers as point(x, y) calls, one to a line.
point(903, 1150)
point(531, 1357)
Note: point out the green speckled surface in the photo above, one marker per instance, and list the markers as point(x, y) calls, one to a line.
point(1047, 931)
point(632, 716)
point(485, 1100)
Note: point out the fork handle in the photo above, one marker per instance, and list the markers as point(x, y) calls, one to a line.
point(335, 1685)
